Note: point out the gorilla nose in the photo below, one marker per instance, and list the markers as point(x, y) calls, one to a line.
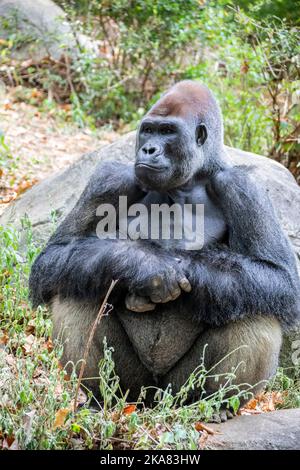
point(151, 150)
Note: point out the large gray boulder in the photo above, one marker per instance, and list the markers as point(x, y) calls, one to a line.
point(43, 26)
point(60, 192)
point(278, 430)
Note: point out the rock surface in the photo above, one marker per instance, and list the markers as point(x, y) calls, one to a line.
point(60, 192)
point(43, 24)
point(278, 430)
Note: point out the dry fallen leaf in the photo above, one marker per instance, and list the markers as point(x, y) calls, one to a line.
point(26, 63)
point(66, 107)
point(7, 196)
point(129, 409)
point(115, 416)
point(243, 411)
point(203, 438)
point(58, 391)
point(263, 403)
point(29, 329)
point(10, 360)
point(60, 417)
point(28, 344)
point(245, 67)
point(36, 93)
point(10, 443)
point(49, 345)
point(24, 185)
point(252, 404)
point(7, 106)
point(202, 427)
point(270, 400)
point(4, 337)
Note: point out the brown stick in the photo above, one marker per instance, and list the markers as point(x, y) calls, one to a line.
point(100, 314)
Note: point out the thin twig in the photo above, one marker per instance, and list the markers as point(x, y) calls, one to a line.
point(69, 75)
point(100, 314)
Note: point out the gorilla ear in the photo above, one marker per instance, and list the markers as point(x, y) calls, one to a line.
point(201, 134)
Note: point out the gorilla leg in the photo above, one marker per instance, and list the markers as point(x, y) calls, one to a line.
point(259, 342)
point(72, 323)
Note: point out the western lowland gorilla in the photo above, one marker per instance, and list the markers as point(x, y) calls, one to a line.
point(237, 290)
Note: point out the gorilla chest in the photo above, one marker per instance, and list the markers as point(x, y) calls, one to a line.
point(186, 219)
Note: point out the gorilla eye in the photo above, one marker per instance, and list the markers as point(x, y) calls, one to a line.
point(166, 130)
point(147, 130)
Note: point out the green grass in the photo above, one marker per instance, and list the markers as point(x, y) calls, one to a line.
point(37, 395)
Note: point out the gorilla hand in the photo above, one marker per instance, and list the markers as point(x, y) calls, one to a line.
point(159, 285)
point(160, 292)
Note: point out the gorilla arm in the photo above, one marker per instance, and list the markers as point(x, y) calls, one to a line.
point(77, 264)
point(256, 272)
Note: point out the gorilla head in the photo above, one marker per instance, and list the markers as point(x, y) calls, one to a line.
point(180, 136)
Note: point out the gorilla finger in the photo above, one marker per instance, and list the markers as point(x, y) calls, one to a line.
point(137, 303)
point(172, 271)
point(167, 299)
point(161, 295)
point(175, 292)
point(156, 298)
point(172, 291)
point(144, 308)
point(185, 284)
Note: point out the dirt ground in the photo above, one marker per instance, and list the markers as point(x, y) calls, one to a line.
point(39, 144)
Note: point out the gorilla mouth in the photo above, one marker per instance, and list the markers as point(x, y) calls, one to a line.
point(151, 167)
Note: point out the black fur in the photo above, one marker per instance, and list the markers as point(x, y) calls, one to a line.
point(255, 273)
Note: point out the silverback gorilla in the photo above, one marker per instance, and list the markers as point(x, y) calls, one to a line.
point(238, 288)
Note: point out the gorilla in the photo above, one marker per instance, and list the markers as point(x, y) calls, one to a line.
point(235, 289)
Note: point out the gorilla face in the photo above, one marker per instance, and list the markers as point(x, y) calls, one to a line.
point(169, 151)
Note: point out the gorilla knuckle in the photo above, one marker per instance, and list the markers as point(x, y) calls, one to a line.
point(156, 281)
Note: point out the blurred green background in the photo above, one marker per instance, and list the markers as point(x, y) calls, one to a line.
point(247, 52)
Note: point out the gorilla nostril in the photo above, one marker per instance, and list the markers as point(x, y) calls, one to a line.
point(151, 150)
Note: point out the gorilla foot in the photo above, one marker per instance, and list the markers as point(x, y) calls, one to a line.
point(221, 416)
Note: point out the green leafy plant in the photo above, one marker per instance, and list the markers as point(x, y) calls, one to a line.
point(37, 396)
